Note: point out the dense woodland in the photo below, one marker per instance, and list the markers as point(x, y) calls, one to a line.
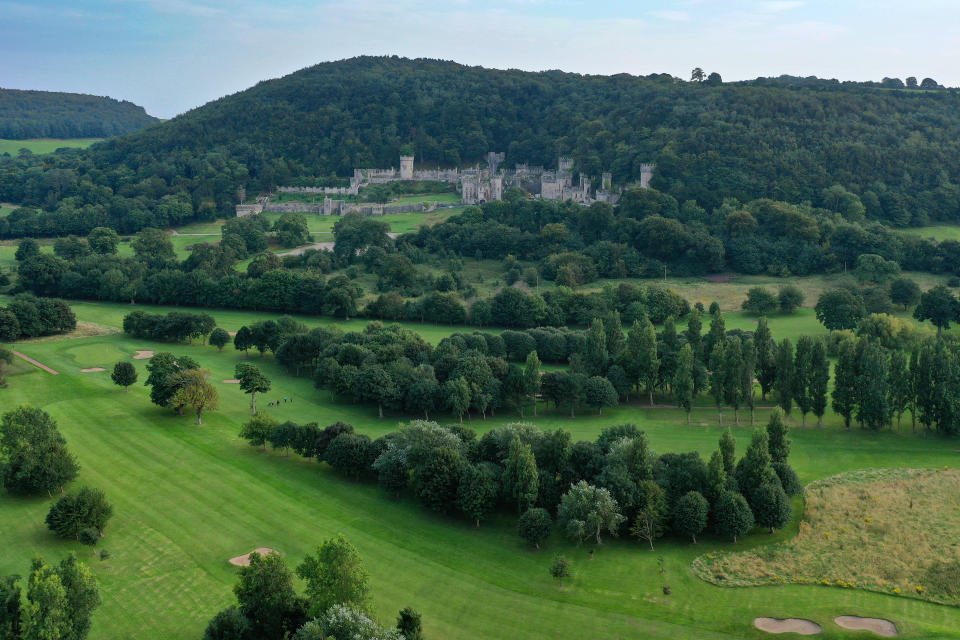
point(49, 114)
point(894, 151)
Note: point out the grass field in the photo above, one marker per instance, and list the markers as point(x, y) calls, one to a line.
point(885, 530)
point(937, 232)
point(44, 145)
point(188, 498)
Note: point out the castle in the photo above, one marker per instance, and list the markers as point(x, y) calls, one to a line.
point(477, 185)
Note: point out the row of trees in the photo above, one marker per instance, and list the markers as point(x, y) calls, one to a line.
point(58, 603)
point(586, 487)
point(27, 316)
point(176, 326)
point(336, 604)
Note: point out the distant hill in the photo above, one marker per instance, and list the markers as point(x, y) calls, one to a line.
point(49, 114)
point(789, 139)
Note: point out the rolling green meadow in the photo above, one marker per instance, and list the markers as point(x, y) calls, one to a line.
point(187, 498)
point(44, 145)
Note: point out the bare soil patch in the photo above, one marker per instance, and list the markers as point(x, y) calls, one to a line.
point(244, 560)
point(143, 354)
point(83, 330)
point(790, 625)
point(879, 626)
point(231, 333)
point(231, 382)
point(92, 369)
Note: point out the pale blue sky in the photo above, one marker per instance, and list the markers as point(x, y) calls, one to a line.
point(172, 55)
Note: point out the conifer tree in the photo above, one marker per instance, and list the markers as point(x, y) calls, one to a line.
point(802, 376)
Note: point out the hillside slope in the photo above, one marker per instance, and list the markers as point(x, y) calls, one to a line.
point(897, 151)
point(49, 114)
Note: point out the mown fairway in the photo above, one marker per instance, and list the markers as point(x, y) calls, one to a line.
point(188, 498)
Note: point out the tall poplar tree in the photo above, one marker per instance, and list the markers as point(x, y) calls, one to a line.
point(802, 376)
point(520, 474)
point(873, 407)
point(683, 380)
point(845, 382)
point(694, 331)
point(746, 377)
point(732, 373)
point(597, 355)
point(766, 368)
point(783, 386)
point(718, 381)
point(531, 378)
point(647, 361)
point(819, 380)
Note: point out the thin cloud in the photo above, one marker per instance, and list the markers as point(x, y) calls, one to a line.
point(778, 6)
point(673, 16)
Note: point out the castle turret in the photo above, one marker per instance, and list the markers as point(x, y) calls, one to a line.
point(406, 167)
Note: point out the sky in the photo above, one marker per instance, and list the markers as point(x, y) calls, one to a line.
point(173, 55)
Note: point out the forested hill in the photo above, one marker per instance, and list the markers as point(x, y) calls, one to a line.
point(49, 114)
point(895, 152)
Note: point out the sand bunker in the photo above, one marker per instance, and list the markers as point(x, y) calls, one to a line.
point(244, 560)
point(790, 625)
point(879, 626)
point(231, 382)
point(231, 333)
point(92, 369)
point(143, 354)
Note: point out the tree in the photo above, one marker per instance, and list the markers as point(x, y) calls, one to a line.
point(560, 568)
point(335, 575)
point(267, 599)
point(34, 453)
point(785, 383)
point(727, 448)
point(103, 240)
point(28, 248)
point(819, 380)
point(219, 338)
point(437, 478)
point(766, 368)
point(845, 382)
point(124, 374)
point(195, 391)
point(690, 515)
point(697, 75)
point(252, 381)
point(683, 380)
point(694, 329)
point(534, 526)
point(476, 492)
point(228, 624)
point(374, 384)
point(587, 511)
point(790, 298)
point(599, 393)
point(409, 624)
point(873, 366)
point(258, 430)
point(350, 454)
point(46, 610)
point(803, 376)
point(646, 356)
point(939, 306)
point(83, 595)
point(651, 519)
point(86, 509)
point(904, 291)
point(732, 516)
point(10, 607)
point(521, 477)
point(292, 229)
point(154, 247)
point(760, 301)
point(778, 437)
point(163, 379)
point(733, 383)
point(771, 506)
point(899, 388)
point(531, 379)
point(243, 340)
point(596, 354)
point(718, 379)
point(458, 396)
point(342, 622)
point(840, 309)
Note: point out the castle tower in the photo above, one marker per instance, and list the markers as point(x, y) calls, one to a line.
point(606, 181)
point(646, 173)
point(406, 167)
point(565, 164)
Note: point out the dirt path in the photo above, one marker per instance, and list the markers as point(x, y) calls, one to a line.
point(35, 363)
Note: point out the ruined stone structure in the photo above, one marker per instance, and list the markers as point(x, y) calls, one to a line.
point(476, 186)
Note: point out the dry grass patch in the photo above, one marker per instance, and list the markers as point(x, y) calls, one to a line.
point(83, 330)
point(887, 530)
